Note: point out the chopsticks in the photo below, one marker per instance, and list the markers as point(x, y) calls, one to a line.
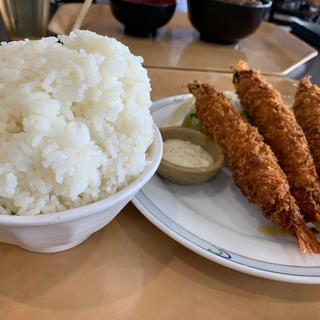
point(83, 12)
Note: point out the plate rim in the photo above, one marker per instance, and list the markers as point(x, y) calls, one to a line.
point(212, 252)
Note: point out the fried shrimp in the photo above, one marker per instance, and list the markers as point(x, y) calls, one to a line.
point(306, 108)
point(277, 124)
point(254, 166)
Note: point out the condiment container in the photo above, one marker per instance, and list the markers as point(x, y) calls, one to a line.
point(185, 175)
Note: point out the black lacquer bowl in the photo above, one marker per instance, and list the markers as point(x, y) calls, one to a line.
point(142, 18)
point(225, 22)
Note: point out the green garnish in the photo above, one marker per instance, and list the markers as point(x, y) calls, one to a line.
point(191, 121)
point(245, 116)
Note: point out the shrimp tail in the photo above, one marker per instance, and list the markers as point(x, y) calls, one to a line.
point(307, 240)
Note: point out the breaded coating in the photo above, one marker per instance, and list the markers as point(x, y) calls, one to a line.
point(277, 124)
point(306, 108)
point(254, 166)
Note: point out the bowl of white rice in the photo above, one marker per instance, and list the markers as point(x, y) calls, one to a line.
point(77, 140)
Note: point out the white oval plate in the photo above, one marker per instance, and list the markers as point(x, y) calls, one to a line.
point(216, 221)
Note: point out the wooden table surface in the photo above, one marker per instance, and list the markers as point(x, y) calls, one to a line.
point(131, 270)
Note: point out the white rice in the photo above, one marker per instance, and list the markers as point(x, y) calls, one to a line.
point(75, 123)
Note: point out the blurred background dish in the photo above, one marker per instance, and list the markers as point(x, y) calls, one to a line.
point(25, 19)
point(142, 18)
point(286, 11)
point(226, 22)
point(308, 31)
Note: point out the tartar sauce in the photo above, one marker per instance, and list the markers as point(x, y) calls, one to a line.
point(186, 154)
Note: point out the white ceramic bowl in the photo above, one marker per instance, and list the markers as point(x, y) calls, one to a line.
point(60, 231)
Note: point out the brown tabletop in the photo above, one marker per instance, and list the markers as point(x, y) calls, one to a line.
point(131, 270)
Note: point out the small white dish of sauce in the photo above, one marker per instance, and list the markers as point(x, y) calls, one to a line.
point(189, 156)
